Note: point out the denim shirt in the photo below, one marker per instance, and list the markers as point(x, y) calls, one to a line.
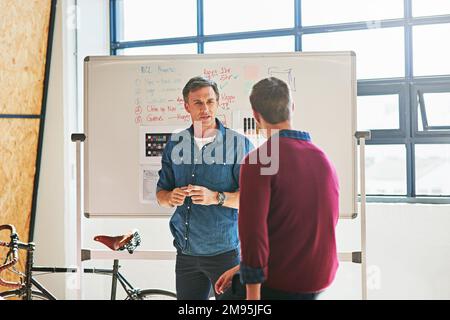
point(201, 230)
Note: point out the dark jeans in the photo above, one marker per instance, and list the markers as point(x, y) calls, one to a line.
point(196, 275)
point(238, 292)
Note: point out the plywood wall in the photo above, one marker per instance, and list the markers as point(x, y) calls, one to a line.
point(24, 30)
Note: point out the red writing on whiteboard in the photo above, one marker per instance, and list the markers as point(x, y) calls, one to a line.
point(138, 110)
point(224, 73)
point(210, 73)
point(226, 101)
point(227, 98)
point(151, 118)
point(182, 117)
point(180, 100)
point(225, 70)
point(152, 109)
point(138, 120)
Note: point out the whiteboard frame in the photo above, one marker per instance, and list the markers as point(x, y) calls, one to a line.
point(165, 212)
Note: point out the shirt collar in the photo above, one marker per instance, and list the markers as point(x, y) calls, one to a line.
point(294, 134)
point(220, 127)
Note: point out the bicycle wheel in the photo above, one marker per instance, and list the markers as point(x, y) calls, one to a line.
point(14, 295)
point(156, 294)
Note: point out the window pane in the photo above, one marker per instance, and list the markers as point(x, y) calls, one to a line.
point(385, 169)
point(437, 106)
point(190, 48)
point(276, 44)
point(143, 19)
point(248, 15)
point(430, 7)
point(431, 49)
point(379, 52)
point(378, 112)
point(316, 12)
point(433, 169)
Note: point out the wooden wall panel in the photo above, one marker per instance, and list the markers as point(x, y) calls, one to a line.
point(18, 145)
point(24, 31)
point(24, 28)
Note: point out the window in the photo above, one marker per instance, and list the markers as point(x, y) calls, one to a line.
point(378, 112)
point(430, 7)
point(432, 160)
point(320, 12)
point(431, 51)
point(386, 170)
point(403, 67)
point(190, 48)
point(434, 111)
point(248, 15)
point(143, 20)
point(275, 44)
point(379, 52)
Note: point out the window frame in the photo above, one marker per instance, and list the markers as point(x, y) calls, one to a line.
point(406, 86)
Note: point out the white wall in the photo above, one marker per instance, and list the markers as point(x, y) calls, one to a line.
point(49, 227)
point(408, 245)
point(408, 253)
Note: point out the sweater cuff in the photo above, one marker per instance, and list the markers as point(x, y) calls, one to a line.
point(251, 275)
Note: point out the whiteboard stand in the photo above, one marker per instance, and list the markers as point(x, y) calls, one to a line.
point(362, 136)
point(78, 138)
point(89, 254)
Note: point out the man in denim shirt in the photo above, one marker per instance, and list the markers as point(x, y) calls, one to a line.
point(200, 177)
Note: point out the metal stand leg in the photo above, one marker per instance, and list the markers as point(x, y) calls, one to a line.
point(78, 138)
point(363, 220)
point(363, 136)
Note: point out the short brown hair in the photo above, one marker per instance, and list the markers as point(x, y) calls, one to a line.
point(271, 98)
point(197, 83)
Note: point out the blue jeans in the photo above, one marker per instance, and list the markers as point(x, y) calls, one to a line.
point(196, 275)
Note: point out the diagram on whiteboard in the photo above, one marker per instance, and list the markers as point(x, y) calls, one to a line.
point(149, 179)
point(286, 75)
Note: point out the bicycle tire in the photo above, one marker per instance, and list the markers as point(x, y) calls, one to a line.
point(155, 294)
point(13, 295)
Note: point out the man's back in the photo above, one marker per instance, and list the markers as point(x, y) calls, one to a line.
point(297, 248)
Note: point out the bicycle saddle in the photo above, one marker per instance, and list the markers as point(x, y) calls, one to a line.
point(128, 241)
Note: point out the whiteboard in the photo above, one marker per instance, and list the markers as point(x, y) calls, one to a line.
point(123, 94)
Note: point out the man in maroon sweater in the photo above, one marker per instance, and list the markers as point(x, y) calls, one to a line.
point(287, 216)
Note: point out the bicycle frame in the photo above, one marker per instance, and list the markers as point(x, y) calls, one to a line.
point(30, 281)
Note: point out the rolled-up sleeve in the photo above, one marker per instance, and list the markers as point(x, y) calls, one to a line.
point(166, 179)
point(253, 230)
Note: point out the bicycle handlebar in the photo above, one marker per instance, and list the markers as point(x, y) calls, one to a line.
point(13, 249)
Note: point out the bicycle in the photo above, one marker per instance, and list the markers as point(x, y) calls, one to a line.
point(28, 288)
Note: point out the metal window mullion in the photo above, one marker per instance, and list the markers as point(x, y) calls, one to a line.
point(155, 42)
point(423, 111)
point(200, 27)
point(298, 24)
point(437, 19)
point(408, 41)
point(410, 168)
point(113, 21)
point(410, 114)
point(353, 26)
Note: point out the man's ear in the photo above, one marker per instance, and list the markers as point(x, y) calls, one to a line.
point(257, 116)
point(186, 107)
